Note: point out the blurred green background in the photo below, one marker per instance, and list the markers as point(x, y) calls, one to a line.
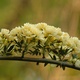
point(61, 13)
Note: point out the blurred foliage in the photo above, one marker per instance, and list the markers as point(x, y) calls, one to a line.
point(62, 13)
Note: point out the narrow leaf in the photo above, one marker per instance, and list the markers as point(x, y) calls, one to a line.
point(11, 47)
point(45, 64)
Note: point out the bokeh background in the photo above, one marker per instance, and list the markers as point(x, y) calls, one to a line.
point(61, 13)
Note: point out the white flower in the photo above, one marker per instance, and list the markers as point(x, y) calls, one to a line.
point(57, 32)
point(26, 32)
point(41, 26)
point(50, 29)
point(5, 31)
point(35, 31)
point(74, 43)
point(64, 37)
point(15, 31)
point(77, 63)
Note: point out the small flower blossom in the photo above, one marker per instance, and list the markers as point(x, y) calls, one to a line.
point(4, 31)
point(15, 31)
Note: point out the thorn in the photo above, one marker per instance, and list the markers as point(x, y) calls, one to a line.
point(57, 65)
point(63, 67)
point(45, 64)
point(37, 63)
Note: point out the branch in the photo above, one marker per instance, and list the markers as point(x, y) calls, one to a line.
point(41, 60)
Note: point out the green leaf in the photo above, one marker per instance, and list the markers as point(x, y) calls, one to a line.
point(8, 54)
point(51, 56)
point(5, 48)
point(18, 43)
point(22, 41)
point(74, 56)
point(65, 60)
point(61, 51)
point(54, 57)
point(10, 48)
point(55, 51)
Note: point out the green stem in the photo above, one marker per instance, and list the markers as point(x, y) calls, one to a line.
point(41, 60)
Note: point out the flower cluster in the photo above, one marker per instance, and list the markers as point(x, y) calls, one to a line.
point(39, 39)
